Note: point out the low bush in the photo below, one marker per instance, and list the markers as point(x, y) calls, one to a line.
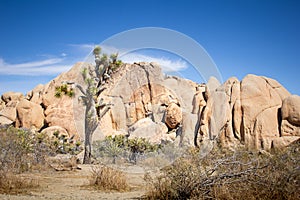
point(21, 148)
point(11, 183)
point(108, 179)
point(63, 145)
point(120, 146)
point(20, 151)
point(230, 175)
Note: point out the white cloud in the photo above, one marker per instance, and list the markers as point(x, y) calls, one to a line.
point(56, 65)
point(85, 47)
point(34, 68)
point(166, 64)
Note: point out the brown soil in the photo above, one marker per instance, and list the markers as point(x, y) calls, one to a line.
point(75, 185)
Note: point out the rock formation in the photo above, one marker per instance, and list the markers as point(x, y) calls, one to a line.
point(30, 115)
point(256, 112)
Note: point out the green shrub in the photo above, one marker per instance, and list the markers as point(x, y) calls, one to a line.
point(62, 145)
point(120, 146)
point(64, 89)
point(112, 147)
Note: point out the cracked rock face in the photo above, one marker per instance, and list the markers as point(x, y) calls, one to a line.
point(260, 103)
point(140, 91)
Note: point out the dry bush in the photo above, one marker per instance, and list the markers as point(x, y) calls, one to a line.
point(11, 183)
point(230, 175)
point(20, 150)
point(107, 179)
point(14, 155)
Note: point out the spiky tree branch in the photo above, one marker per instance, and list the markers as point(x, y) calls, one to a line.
point(94, 110)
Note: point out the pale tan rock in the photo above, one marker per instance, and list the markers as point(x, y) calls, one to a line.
point(105, 127)
point(12, 96)
point(63, 162)
point(173, 115)
point(30, 115)
point(287, 129)
point(290, 110)
point(36, 95)
point(266, 128)
point(52, 129)
point(257, 95)
point(159, 112)
point(169, 137)
point(65, 112)
point(5, 121)
point(131, 117)
point(118, 114)
point(144, 92)
point(216, 119)
point(199, 100)
point(140, 88)
point(189, 123)
point(230, 129)
point(281, 142)
point(61, 113)
point(183, 90)
point(133, 81)
point(73, 75)
point(290, 113)
point(143, 98)
point(2, 104)
point(281, 91)
point(212, 84)
point(10, 111)
point(146, 128)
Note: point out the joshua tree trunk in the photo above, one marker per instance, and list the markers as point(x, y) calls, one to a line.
point(91, 123)
point(87, 149)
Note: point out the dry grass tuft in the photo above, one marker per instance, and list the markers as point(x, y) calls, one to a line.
point(108, 179)
point(15, 184)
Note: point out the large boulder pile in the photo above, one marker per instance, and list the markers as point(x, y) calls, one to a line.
point(256, 112)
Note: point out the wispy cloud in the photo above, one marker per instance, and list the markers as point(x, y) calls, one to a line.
point(56, 65)
point(167, 64)
point(85, 47)
point(34, 68)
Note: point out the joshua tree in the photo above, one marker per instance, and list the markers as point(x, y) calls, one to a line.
point(94, 110)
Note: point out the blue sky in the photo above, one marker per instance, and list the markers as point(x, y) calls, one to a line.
point(41, 38)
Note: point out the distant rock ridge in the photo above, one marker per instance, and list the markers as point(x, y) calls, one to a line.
point(257, 112)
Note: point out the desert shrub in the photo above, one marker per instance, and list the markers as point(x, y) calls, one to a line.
point(64, 89)
point(120, 146)
point(22, 148)
point(111, 147)
point(63, 145)
point(107, 179)
point(140, 146)
point(229, 175)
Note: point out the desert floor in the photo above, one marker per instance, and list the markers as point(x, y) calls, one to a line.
point(74, 185)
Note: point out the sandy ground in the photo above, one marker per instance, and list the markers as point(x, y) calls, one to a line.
point(73, 185)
